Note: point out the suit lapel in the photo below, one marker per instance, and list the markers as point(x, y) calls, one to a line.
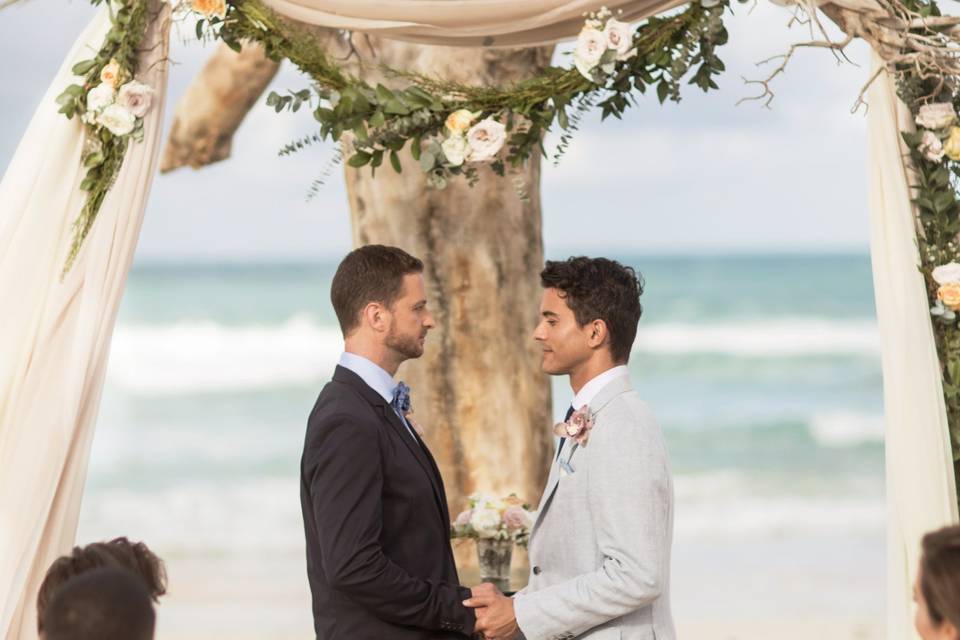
point(439, 477)
point(417, 448)
point(613, 389)
point(419, 451)
point(551, 486)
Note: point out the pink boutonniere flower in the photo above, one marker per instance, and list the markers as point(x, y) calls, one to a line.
point(577, 427)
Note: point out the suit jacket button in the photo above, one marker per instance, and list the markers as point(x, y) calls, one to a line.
point(536, 571)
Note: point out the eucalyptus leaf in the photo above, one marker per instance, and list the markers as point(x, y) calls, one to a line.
point(359, 159)
point(84, 67)
point(427, 160)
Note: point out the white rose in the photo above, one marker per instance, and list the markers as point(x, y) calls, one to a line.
point(485, 139)
point(100, 97)
point(619, 38)
point(486, 522)
point(591, 45)
point(947, 273)
point(931, 147)
point(117, 120)
point(937, 115)
point(135, 97)
point(455, 150)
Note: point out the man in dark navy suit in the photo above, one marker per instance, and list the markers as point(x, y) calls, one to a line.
point(374, 509)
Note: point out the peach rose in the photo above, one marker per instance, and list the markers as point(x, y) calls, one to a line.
point(210, 8)
point(949, 294)
point(110, 74)
point(459, 121)
point(513, 501)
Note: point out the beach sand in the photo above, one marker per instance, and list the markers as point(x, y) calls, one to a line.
point(788, 588)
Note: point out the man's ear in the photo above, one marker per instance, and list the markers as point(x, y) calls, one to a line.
point(948, 632)
point(597, 333)
point(375, 316)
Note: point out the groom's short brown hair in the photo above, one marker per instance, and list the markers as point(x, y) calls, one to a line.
point(600, 289)
point(372, 273)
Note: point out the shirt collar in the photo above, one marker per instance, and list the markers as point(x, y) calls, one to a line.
point(590, 390)
point(371, 373)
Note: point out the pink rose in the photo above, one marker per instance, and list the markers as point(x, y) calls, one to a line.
point(464, 518)
point(516, 518)
point(136, 97)
point(619, 38)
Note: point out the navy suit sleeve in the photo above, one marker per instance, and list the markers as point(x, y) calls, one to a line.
point(343, 470)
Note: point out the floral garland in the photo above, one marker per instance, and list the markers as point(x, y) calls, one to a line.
point(935, 154)
point(111, 104)
point(454, 128)
point(935, 151)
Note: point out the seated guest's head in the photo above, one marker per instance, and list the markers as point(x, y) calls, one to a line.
point(119, 553)
point(101, 604)
point(937, 590)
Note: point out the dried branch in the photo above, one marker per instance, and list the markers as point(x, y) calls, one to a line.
point(768, 94)
point(926, 46)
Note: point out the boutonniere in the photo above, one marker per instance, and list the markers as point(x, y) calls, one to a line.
point(577, 427)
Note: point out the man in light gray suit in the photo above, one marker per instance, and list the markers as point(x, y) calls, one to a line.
point(600, 546)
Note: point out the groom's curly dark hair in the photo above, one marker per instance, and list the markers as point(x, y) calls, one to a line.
point(600, 289)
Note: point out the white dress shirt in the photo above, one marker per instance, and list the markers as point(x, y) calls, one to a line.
point(376, 378)
point(589, 391)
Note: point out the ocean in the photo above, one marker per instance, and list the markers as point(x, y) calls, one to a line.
point(764, 372)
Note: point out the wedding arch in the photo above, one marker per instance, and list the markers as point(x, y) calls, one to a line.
point(73, 197)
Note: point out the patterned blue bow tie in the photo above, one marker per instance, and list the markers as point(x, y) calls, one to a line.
point(401, 399)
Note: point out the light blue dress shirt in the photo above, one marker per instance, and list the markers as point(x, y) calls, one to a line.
point(376, 378)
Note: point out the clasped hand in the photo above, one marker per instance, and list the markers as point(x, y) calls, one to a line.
point(495, 616)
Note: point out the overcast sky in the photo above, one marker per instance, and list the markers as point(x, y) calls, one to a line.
point(701, 176)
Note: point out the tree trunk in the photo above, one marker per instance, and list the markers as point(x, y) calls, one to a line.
point(215, 104)
point(478, 391)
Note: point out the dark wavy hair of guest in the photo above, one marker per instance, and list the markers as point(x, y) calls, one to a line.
point(600, 289)
point(940, 575)
point(119, 553)
point(372, 273)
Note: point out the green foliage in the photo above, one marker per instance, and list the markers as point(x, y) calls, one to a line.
point(104, 152)
point(938, 220)
point(382, 120)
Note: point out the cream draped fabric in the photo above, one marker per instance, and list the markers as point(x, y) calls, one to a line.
point(55, 336)
point(469, 23)
point(921, 495)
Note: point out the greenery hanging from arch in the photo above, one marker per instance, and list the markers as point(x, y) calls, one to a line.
point(446, 122)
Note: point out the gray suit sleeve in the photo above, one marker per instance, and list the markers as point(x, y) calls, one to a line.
point(630, 500)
